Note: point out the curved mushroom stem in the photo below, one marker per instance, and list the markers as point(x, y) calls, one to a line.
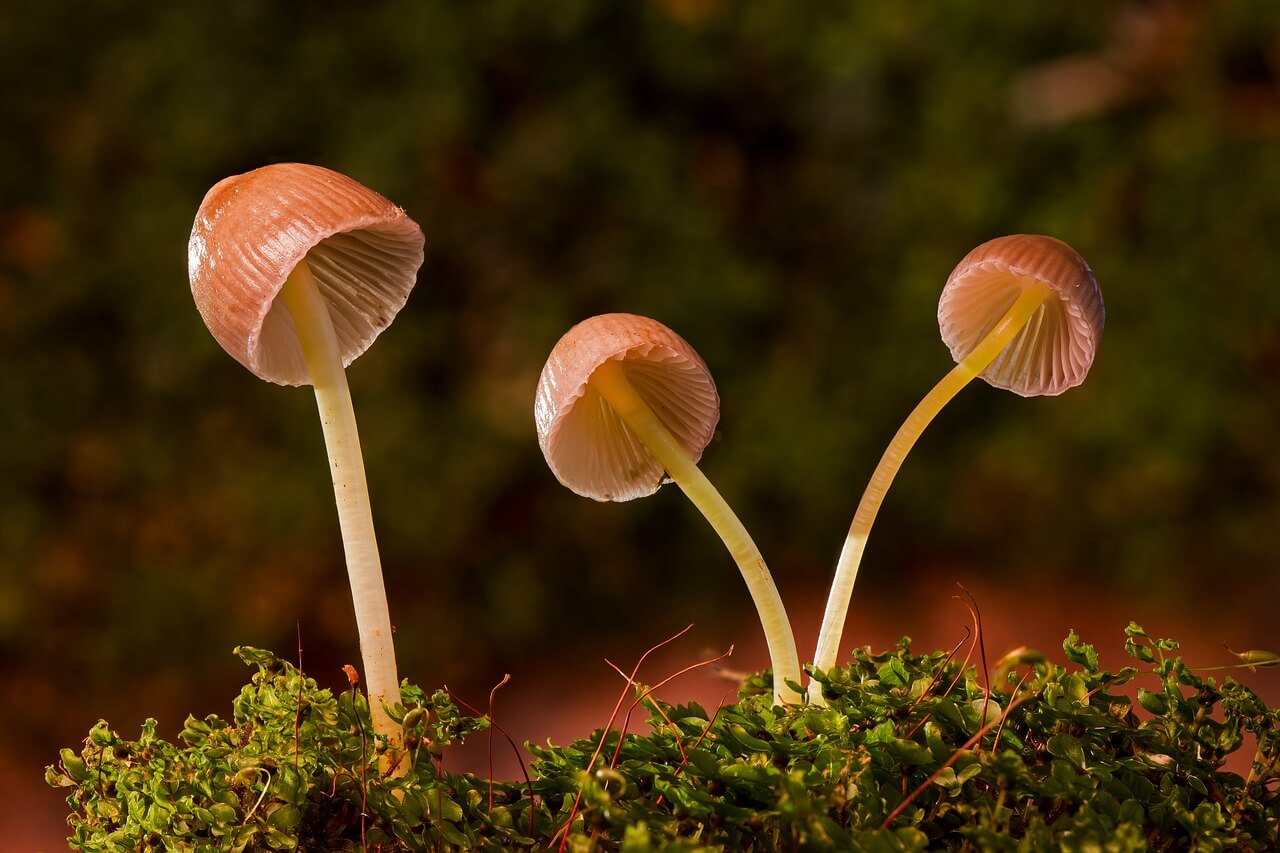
point(1015, 319)
point(320, 350)
point(610, 381)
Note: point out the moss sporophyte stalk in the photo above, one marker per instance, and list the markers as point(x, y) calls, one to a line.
point(911, 752)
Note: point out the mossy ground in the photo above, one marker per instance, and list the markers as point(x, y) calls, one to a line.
point(912, 754)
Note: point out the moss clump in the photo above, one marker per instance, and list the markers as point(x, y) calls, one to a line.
point(1063, 762)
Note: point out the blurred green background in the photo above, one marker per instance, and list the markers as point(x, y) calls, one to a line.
point(787, 184)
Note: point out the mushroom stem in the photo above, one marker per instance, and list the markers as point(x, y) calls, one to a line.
point(1005, 330)
point(609, 380)
point(320, 350)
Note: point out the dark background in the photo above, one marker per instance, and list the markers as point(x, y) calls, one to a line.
point(786, 184)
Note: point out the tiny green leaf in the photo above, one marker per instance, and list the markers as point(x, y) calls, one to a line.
point(1068, 747)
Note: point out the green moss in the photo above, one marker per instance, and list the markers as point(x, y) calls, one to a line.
point(1066, 762)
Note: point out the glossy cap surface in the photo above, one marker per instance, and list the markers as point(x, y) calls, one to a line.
point(1054, 351)
point(587, 445)
point(252, 230)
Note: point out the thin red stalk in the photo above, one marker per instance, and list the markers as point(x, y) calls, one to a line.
point(1005, 715)
point(934, 683)
point(505, 678)
point(964, 667)
point(684, 756)
point(719, 707)
point(952, 760)
point(700, 738)
point(986, 675)
point(524, 770)
point(626, 721)
point(646, 694)
point(297, 717)
point(353, 678)
point(439, 804)
point(623, 695)
point(705, 731)
point(577, 801)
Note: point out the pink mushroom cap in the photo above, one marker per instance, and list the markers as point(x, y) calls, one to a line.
point(1055, 349)
point(585, 442)
point(252, 230)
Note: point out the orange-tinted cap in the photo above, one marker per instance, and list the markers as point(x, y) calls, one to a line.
point(1054, 351)
point(587, 445)
point(253, 229)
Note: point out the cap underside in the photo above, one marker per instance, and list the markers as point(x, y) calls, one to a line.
point(1050, 354)
point(593, 452)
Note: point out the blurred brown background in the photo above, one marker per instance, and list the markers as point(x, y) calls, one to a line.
point(785, 184)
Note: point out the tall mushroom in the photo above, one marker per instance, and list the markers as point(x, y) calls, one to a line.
point(341, 259)
point(1023, 312)
point(623, 399)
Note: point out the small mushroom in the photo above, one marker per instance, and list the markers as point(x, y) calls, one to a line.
point(623, 401)
point(1023, 312)
point(296, 269)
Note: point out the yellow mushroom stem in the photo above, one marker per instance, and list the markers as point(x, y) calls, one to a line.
point(1024, 308)
point(320, 350)
point(610, 381)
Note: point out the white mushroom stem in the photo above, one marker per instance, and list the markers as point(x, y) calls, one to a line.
point(320, 349)
point(609, 380)
point(1006, 329)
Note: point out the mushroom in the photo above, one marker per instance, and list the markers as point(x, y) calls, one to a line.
point(1023, 312)
point(342, 260)
point(623, 399)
